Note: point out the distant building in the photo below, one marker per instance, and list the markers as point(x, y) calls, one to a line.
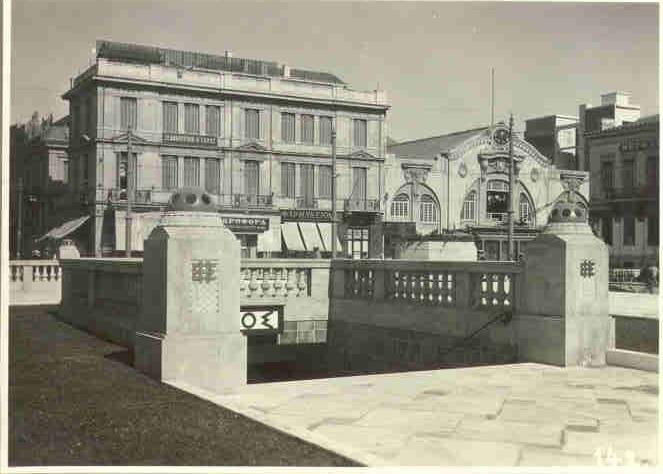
point(459, 181)
point(624, 204)
point(562, 138)
point(554, 136)
point(255, 134)
point(39, 166)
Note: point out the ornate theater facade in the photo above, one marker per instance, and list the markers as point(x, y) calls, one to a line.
point(459, 184)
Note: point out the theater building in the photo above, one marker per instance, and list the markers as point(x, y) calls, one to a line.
point(460, 182)
point(256, 135)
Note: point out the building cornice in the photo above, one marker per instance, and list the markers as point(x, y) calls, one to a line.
point(229, 92)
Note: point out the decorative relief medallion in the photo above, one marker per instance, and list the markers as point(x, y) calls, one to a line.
point(501, 136)
point(587, 268)
point(462, 170)
point(203, 270)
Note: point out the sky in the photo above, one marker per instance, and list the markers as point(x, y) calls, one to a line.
point(432, 58)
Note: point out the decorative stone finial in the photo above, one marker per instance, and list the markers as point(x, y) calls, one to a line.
point(567, 210)
point(192, 199)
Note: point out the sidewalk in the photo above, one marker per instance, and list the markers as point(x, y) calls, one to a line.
point(514, 415)
point(73, 400)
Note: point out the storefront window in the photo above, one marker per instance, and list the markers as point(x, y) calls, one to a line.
point(357, 242)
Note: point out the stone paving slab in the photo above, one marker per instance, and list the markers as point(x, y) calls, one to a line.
point(513, 415)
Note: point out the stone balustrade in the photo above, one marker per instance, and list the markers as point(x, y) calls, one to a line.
point(105, 295)
point(479, 285)
point(33, 282)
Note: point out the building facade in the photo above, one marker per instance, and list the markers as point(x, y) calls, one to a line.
point(561, 138)
point(256, 135)
point(624, 167)
point(459, 182)
point(39, 165)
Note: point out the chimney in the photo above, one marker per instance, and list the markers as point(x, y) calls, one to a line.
point(286, 70)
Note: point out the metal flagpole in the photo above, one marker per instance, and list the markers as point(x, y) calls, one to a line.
point(130, 189)
point(511, 189)
point(333, 191)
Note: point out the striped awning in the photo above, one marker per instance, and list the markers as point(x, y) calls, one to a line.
point(290, 232)
point(325, 233)
point(311, 236)
point(64, 229)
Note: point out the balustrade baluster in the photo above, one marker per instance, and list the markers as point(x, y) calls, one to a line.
point(301, 282)
point(253, 283)
point(291, 284)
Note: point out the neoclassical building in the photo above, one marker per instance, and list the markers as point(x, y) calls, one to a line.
point(460, 181)
point(257, 135)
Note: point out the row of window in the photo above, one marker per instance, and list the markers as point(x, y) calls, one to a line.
point(496, 206)
point(400, 209)
point(212, 123)
point(192, 113)
point(628, 173)
point(191, 177)
point(628, 234)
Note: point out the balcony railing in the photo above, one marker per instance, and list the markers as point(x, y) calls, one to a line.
point(306, 203)
point(189, 139)
point(141, 196)
point(362, 205)
point(252, 201)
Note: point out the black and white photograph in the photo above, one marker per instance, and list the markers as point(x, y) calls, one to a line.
point(332, 234)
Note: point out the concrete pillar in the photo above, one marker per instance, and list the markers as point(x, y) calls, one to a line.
point(189, 330)
point(563, 318)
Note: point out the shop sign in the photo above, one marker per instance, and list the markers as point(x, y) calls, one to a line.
point(246, 224)
point(261, 319)
point(305, 215)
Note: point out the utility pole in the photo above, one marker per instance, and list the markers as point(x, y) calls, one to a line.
point(492, 96)
point(130, 190)
point(333, 191)
point(511, 189)
point(19, 218)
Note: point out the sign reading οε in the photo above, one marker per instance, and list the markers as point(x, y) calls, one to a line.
point(261, 319)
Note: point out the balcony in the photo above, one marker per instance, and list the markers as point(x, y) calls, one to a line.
point(141, 196)
point(189, 139)
point(306, 203)
point(251, 201)
point(362, 205)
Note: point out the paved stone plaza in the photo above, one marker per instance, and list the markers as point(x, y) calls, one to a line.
point(522, 414)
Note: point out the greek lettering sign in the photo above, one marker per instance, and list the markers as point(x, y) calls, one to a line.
point(261, 319)
point(305, 215)
point(246, 224)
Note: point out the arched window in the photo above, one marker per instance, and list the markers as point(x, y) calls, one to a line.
point(525, 208)
point(427, 210)
point(469, 212)
point(400, 208)
point(497, 197)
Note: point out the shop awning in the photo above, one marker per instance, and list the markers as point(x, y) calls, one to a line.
point(290, 232)
point(325, 232)
point(269, 241)
point(311, 236)
point(65, 229)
